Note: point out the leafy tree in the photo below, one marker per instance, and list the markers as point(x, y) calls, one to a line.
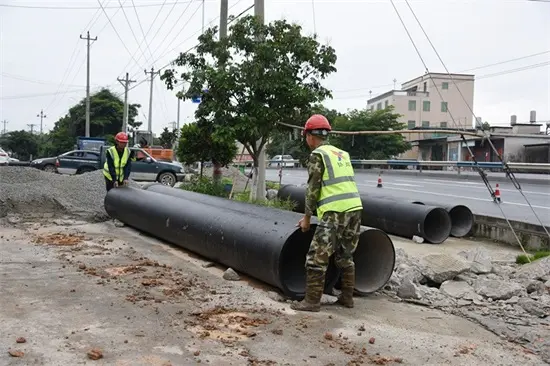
point(22, 144)
point(198, 143)
point(258, 75)
point(106, 113)
point(167, 138)
point(371, 146)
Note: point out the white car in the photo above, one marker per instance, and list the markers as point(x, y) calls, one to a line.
point(4, 158)
point(286, 161)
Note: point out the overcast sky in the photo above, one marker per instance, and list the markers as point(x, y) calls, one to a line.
point(43, 60)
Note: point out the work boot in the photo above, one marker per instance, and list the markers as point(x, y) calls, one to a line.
point(348, 285)
point(314, 290)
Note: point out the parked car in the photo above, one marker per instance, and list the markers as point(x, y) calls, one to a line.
point(286, 161)
point(4, 157)
point(145, 168)
point(45, 164)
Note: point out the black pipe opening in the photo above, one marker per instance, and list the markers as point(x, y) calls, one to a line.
point(374, 261)
point(462, 220)
point(436, 219)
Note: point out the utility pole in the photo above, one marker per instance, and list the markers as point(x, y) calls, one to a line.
point(88, 44)
point(224, 14)
point(125, 83)
point(150, 122)
point(4, 130)
point(42, 116)
point(31, 125)
point(260, 188)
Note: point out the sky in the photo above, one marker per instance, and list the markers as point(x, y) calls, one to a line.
point(43, 59)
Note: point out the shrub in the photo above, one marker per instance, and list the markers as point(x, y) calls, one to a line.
point(272, 185)
point(286, 204)
point(205, 185)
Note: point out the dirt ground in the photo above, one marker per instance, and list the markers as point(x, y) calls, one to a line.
point(94, 294)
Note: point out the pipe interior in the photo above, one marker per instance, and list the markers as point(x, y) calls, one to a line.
point(418, 203)
point(437, 225)
point(374, 261)
point(462, 221)
point(292, 264)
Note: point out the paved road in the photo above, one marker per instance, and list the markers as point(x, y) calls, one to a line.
point(448, 191)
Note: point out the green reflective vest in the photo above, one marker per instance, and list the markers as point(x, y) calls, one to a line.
point(119, 163)
point(339, 192)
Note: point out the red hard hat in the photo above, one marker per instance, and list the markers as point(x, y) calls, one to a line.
point(121, 137)
point(317, 122)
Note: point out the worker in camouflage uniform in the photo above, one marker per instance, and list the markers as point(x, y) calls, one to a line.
point(333, 195)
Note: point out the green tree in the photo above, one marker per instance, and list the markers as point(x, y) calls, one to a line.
point(167, 138)
point(260, 74)
point(106, 113)
point(22, 144)
point(197, 143)
point(371, 146)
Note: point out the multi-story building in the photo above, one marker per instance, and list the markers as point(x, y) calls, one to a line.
point(420, 105)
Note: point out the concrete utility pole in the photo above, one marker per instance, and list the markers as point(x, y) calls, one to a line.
point(125, 83)
point(4, 130)
point(224, 14)
point(150, 122)
point(88, 44)
point(42, 116)
point(260, 188)
point(31, 125)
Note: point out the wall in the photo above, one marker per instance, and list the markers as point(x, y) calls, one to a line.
point(514, 151)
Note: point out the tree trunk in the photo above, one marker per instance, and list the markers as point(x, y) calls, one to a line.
point(202, 168)
point(254, 181)
point(217, 173)
point(260, 180)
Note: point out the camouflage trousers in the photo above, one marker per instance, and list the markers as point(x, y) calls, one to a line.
point(337, 233)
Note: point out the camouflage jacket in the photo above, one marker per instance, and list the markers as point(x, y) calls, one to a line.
point(315, 168)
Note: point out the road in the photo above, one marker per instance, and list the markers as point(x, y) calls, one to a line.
point(449, 191)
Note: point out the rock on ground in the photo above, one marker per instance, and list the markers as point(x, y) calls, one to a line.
point(443, 267)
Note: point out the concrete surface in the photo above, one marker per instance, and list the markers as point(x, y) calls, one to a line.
point(473, 194)
point(105, 290)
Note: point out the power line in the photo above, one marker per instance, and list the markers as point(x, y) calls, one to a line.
point(28, 96)
point(35, 81)
point(89, 7)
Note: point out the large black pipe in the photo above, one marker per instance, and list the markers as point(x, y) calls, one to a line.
point(462, 218)
point(374, 257)
point(263, 243)
point(397, 218)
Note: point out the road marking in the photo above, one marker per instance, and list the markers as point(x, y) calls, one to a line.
point(465, 197)
point(480, 185)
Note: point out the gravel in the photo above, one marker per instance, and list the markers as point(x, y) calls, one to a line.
point(33, 192)
point(510, 300)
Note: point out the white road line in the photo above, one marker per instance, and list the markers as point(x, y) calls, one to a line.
point(459, 184)
point(465, 197)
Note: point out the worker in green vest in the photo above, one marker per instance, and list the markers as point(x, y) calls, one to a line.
point(117, 167)
point(333, 195)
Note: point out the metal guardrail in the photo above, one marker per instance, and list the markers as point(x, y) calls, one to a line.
point(416, 163)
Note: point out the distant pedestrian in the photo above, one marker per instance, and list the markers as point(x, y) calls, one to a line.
point(333, 194)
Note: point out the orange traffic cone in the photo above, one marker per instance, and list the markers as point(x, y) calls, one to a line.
point(497, 194)
point(379, 185)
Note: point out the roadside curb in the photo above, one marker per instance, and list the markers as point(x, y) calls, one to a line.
point(531, 236)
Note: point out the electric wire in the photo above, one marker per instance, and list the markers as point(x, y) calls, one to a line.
point(476, 164)
point(141, 28)
point(506, 168)
point(132, 31)
point(45, 7)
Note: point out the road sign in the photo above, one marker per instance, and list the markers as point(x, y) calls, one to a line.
point(198, 99)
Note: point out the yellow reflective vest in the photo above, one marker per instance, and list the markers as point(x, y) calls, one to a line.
point(339, 192)
point(119, 163)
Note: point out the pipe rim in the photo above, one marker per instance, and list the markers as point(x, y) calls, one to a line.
point(437, 225)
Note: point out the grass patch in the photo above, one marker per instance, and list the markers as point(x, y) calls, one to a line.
point(275, 203)
point(525, 258)
point(205, 185)
point(272, 185)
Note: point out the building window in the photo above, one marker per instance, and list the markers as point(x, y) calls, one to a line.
point(443, 124)
point(425, 123)
point(444, 107)
point(445, 85)
point(371, 108)
point(426, 106)
point(412, 105)
point(379, 106)
point(411, 125)
point(386, 104)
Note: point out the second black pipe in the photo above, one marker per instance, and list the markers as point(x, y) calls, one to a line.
point(397, 218)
